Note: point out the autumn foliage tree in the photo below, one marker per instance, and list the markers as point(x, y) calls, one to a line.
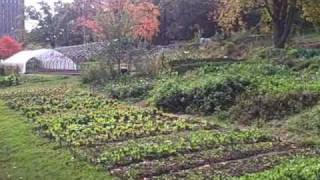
point(228, 14)
point(124, 25)
point(311, 10)
point(118, 19)
point(282, 14)
point(8, 47)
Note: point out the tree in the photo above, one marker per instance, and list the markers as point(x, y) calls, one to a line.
point(46, 31)
point(84, 23)
point(282, 14)
point(8, 47)
point(182, 19)
point(125, 25)
point(311, 10)
point(118, 19)
point(229, 15)
point(60, 25)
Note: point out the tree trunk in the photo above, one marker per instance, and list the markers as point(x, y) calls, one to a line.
point(278, 32)
point(119, 66)
point(283, 13)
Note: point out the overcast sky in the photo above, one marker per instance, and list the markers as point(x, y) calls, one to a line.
point(34, 2)
point(31, 24)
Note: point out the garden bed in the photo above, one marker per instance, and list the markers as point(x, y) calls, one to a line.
point(135, 143)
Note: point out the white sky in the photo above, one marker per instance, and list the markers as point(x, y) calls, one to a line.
point(34, 2)
point(31, 24)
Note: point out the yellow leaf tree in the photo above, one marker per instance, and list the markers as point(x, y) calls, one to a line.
point(282, 13)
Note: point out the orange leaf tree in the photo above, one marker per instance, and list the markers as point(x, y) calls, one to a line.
point(8, 47)
point(124, 24)
point(118, 19)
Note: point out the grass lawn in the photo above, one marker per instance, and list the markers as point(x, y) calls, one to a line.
point(24, 155)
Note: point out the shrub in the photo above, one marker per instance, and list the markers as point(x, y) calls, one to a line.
point(129, 88)
point(308, 121)
point(97, 73)
point(8, 70)
point(183, 66)
point(8, 47)
point(310, 64)
point(213, 88)
point(303, 53)
point(288, 54)
point(6, 81)
point(252, 107)
point(210, 97)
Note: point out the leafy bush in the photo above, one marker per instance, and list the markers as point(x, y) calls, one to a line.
point(215, 87)
point(182, 66)
point(308, 121)
point(8, 47)
point(288, 54)
point(129, 88)
point(271, 107)
point(6, 81)
point(308, 65)
point(206, 98)
point(8, 70)
point(303, 53)
point(97, 73)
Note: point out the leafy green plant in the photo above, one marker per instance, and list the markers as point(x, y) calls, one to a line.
point(301, 168)
point(216, 88)
point(308, 122)
point(303, 53)
point(207, 97)
point(6, 81)
point(271, 107)
point(98, 73)
point(80, 118)
point(131, 88)
point(192, 142)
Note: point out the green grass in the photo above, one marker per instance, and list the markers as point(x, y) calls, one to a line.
point(24, 155)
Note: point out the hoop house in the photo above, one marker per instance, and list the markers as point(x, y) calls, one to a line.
point(43, 60)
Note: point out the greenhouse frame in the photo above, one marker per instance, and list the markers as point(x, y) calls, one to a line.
point(43, 60)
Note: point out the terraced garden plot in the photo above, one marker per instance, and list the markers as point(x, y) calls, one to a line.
point(135, 143)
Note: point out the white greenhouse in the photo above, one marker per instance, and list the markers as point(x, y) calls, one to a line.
point(43, 60)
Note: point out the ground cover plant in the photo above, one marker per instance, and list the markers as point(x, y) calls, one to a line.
point(136, 143)
point(311, 123)
point(248, 91)
point(25, 155)
point(7, 81)
point(212, 89)
point(130, 88)
point(300, 168)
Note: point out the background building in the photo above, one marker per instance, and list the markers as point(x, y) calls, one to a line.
point(12, 18)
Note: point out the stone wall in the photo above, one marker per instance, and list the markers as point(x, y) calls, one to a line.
point(82, 53)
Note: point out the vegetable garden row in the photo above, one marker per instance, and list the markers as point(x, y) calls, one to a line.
point(136, 143)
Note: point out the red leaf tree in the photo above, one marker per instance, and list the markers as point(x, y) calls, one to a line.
point(8, 47)
point(123, 18)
